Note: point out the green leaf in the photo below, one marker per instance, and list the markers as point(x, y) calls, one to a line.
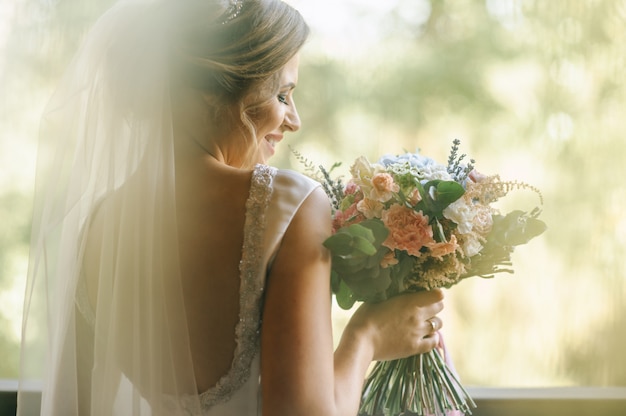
point(364, 246)
point(516, 228)
point(335, 281)
point(344, 296)
point(346, 202)
point(368, 284)
point(339, 243)
point(349, 264)
point(445, 193)
point(448, 192)
point(377, 258)
point(378, 229)
point(438, 231)
point(358, 230)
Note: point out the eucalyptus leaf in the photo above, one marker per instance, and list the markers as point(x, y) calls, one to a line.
point(375, 260)
point(344, 296)
point(358, 230)
point(335, 281)
point(349, 264)
point(339, 243)
point(378, 229)
point(516, 228)
point(369, 284)
point(364, 246)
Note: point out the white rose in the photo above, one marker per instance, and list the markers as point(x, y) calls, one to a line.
point(462, 214)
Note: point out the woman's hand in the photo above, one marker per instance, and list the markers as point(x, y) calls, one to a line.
point(399, 327)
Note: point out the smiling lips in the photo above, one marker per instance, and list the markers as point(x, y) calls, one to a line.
point(272, 139)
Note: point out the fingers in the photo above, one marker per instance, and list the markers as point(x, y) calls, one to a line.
point(429, 297)
point(424, 323)
point(427, 305)
point(428, 343)
point(433, 325)
point(401, 326)
point(436, 294)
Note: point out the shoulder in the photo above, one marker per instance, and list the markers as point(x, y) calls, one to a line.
point(293, 189)
point(309, 224)
point(298, 209)
point(312, 216)
point(293, 179)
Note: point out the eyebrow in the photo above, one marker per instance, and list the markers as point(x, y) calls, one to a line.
point(289, 85)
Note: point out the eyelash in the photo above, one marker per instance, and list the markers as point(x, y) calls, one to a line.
point(282, 98)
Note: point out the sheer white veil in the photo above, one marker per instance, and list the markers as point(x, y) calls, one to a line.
point(106, 169)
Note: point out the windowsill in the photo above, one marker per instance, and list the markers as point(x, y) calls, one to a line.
point(559, 401)
point(570, 401)
point(551, 393)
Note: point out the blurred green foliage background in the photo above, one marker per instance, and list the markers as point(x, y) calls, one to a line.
point(534, 89)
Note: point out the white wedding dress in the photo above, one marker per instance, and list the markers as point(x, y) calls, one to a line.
point(275, 196)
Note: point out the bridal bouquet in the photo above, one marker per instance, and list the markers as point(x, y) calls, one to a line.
point(408, 223)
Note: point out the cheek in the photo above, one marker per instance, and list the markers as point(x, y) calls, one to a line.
point(276, 118)
point(267, 118)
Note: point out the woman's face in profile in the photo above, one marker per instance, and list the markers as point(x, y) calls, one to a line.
point(279, 115)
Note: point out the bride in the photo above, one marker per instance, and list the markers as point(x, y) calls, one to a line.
point(173, 272)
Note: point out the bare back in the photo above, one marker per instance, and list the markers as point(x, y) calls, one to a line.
point(210, 207)
point(211, 229)
point(228, 234)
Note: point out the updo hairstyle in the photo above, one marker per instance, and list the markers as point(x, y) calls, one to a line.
point(230, 53)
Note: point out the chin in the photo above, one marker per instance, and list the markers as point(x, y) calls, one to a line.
point(264, 155)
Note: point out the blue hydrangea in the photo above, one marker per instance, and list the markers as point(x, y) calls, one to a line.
point(422, 167)
point(414, 159)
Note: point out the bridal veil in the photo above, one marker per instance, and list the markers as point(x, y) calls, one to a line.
point(106, 147)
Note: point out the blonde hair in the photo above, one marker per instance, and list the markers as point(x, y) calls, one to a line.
point(230, 59)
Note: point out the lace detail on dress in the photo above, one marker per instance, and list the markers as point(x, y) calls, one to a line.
point(248, 328)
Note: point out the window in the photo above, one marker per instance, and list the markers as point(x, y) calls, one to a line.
point(534, 91)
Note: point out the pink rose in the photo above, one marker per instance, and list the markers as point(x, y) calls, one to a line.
point(408, 230)
point(476, 176)
point(351, 188)
point(347, 217)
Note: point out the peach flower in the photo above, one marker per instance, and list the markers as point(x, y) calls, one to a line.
point(370, 208)
point(383, 187)
point(444, 248)
point(408, 230)
point(389, 260)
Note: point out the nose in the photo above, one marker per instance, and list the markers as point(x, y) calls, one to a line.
point(292, 119)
